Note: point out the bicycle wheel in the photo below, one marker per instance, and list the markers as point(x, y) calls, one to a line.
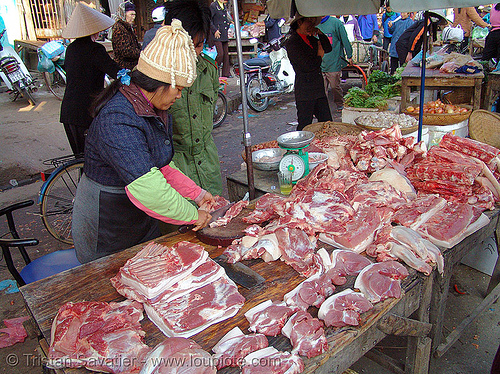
point(57, 197)
point(220, 110)
point(56, 82)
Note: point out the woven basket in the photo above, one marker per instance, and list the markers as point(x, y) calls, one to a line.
point(322, 129)
point(443, 119)
point(404, 130)
point(484, 126)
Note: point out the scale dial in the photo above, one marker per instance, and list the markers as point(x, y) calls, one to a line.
point(293, 163)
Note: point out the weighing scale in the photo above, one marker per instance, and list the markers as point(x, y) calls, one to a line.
point(296, 159)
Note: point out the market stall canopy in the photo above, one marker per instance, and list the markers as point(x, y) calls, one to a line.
point(282, 8)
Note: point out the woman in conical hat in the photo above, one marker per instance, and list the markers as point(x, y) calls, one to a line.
point(86, 63)
point(130, 182)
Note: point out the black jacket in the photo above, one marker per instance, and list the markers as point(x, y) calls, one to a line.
point(86, 64)
point(410, 40)
point(220, 21)
point(307, 65)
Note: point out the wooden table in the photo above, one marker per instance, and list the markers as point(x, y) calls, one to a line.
point(410, 77)
point(90, 282)
point(441, 285)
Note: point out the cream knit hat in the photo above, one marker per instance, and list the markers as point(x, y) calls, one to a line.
point(170, 57)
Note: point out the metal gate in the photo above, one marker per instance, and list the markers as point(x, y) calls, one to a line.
point(48, 19)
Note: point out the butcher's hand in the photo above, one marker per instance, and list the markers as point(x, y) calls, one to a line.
point(349, 61)
point(207, 202)
point(203, 219)
point(217, 34)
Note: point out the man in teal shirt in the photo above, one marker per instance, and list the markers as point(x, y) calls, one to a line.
point(334, 61)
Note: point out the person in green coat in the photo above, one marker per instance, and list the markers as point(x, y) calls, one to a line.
point(334, 61)
point(195, 151)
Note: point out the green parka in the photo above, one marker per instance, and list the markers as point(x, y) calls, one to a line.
point(195, 151)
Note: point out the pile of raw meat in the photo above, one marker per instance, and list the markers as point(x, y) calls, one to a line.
point(380, 194)
point(183, 291)
point(290, 316)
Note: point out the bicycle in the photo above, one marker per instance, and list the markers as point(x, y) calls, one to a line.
point(57, 195)
point(220, 110)
point(56, 81)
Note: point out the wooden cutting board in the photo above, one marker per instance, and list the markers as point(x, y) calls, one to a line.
point(224, 235)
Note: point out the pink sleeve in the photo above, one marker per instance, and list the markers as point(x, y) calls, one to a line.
point(181, 183)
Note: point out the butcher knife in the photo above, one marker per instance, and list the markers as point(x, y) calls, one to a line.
point(240, 273)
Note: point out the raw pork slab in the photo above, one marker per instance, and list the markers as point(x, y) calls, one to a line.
point(178, 355)
point(191, 313)
point(344, 308)
point(348, 262)
point(99, 336)
point(232, 212)
point(381, 280)
point(234, 346)
point(298, 250)
point(271, 361)
point(263, 209)
point(268, 318)
point(306, 334)
point(450, 225)
point(157, 267)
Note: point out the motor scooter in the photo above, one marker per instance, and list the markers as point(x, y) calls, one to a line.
point(15, 75)
point(268, 76)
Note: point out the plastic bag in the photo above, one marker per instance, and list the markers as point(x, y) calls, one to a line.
point(479, 32)
point(52, 49)
point(452, 34)
point(44, 63)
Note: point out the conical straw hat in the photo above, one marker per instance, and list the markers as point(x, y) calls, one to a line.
point(86, 21)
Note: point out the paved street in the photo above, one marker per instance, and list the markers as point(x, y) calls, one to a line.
point(30, 135)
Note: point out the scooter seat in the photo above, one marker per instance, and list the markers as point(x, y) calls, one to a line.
point(258, 62)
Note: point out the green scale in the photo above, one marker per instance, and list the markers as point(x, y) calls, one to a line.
point(296, 159)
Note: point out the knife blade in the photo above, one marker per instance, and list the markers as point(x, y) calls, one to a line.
point(240, 273)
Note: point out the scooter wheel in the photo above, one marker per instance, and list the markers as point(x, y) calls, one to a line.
point(254, 86)
point(28, 96)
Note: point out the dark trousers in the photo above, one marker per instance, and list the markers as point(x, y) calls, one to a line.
point(386, 43)
point(76, 137)
point(492, 45)
point(307, 109)
point(223, 57)
point(394, 64)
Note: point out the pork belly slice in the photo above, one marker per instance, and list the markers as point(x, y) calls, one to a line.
point(306, 334)
point(193, 312)
point(359, 230)
point(157, 267)
point(415, 251)
point(271, 361)
point(178, 355)
point(412, 214)
point(232, 212)
point(206, 272)
point(349, 262)
point(234, 346)
point(381, 280)
point(453, 223)
point(268, 318)
point(395, 179)
point(344, 308)
point(99, 336)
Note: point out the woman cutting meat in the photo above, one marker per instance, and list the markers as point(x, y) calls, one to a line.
point(129, 180)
